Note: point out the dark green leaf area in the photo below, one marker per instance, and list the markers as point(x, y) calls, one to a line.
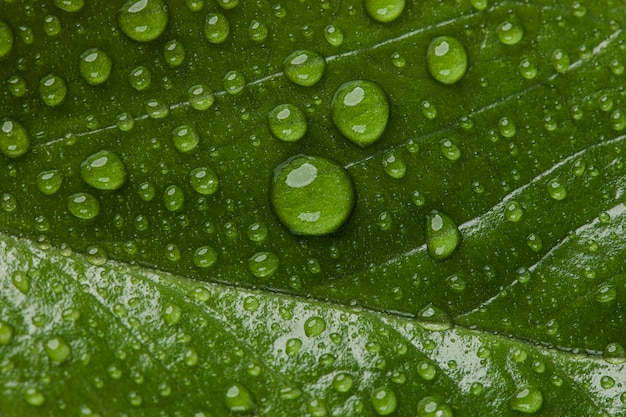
point(524, 153)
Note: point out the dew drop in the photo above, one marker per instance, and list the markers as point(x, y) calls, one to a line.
point(446, 59)
point(560, 61)
point(103, 170)
point(174, 53)
point(171, 314)
point(125, 122)
point(96, 255)
point(527, 69)
point(51, 25)
point(606, 382)
point(433, 407)
point(17, 86)
point(239, 399)
point(216, 28)
point(190, 357)
point(57, 349)
point(557, 190)
point(205, 257)
point(257, 31)
point(303, 67)
point(617, 67)
point(312, 195)
point(6, 333)
point(140, 78)
point(606, 294)
point(428, 110)
point(292, 347)
point(52, 90)
point(433, 318)
point(534, 242)
point(200, 97)
point(204, 180)
point(526, 400)
point(384, 401)
point(234, 82)
point(510, 33)
point(479, 4)
point(342, 382)
point(173, 197)
point(618, 120)
point(34, 397)
point(263, 264)
point(426, 370)
point(14, 139)
point(442, 235)
point(513, 211)
point(95, 66)
point(21, 281)
point(316, 408)
point(172, 252)
point(333, 35)
point(456, 282)
point(613, 353)
point(83, 205)
point(6, 39)
point(257, 232)
point(287, 122)
point(143, 20)
point(69, 5)
point(394, 165)
point(314, 326)
point(157, 109)
point(449, 149)
point(506, 127)
point(360, 111)
point(384, 11)
point(185, 139)
point(227, 4)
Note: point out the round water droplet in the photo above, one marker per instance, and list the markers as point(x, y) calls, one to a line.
point(333, 35)
point(394, 165)
point(172, 252)
point(173, 197)
point(433, 407)
point(172, 314)
point(360, 111)
point(557, 190)
point(449, 149)
point(342, 382)
point(304, 68)
point(257, 31)
point(103, 170)
point(606, 294)
point(456, 282)
point(607, 382)
point(479, 4)
point(34, 397)
point(534, 242)
point(434, 318)
point(442, 235)
point(14, 139)
point(52, 90)
point(156, 109)
point(234, 82)
point(185, 139)
point(618, 120)
point(17, 86)
point(143, 20)
point(613, 353)
point(228, 4)
point(257, 232)
point(510, 32)
point(21, 281)
point(513, 211)
point(527, 400)
point(251, 303)
point(287, 122)
point(314, 326)
point(6, 39)
point(200, 97)
point(292, 347)
point(204, 180)
point(527, 69)
point(446, 59)
point(506, 127)
point(69, 5)
point(140, 78)
point(6, 333)
point(205, 257)
point(83, 205)
point(560, 61)
point(146, 191)
point(384, 11)
point(51, 25)
point(216, 28)
point(95, 66)
point(125, 122)
point(263, 264)
point(384, 401)
point(312, 195)
point(426, 370)
point(428, 110)
point(57, 349)
point(174, 53)
point(316, 408)
point(239, 399)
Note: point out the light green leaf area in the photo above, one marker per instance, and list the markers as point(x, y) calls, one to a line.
point(342, 208)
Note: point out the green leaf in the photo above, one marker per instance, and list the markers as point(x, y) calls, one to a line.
point(461, 248)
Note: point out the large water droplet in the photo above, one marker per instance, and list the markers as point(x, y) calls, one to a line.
point(34, 397)
point(14, 139)
point(510, 32)
point(442, 235)
point(433, 407)
point(103, 170)
point(613, 353)
point(204, 180)
point(143, 20)
point(95, 66)
point(174, 53)
point(173, 197)
point(342, 382)
point(185, 138)
point(287, 122)
point(140, 78)
point(384, 401)
point(200, 97)
point(527, 400)
point(216, 28)
point(83, 205)
point(263, 264)
point(312, 195)
point(433, 318)
point(239, 399)
point(304, 68)
point(314, 326)
point(57, 349)
point(52, 90)
point(446, 59)
point(6, 39)
point(257, 31)
point(360, 111)
point(384, 11)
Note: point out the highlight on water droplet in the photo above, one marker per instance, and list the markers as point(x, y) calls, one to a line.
point(143, 20)
point(263, 264)
point(287, 122)
point(527, 400)
point(446, 59)
point(360, 111)
point(95, 66)
point(384, 401)
point(442, 235)
point(239, 399)
point(384, 11)
point(312, 195)
point(304, 67)
point(52, 90)
point(14, 138)
point(103, 170)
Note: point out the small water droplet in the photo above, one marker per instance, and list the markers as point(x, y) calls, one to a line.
point(510, 32)
point(234, 82)
point(316, 408)
point(69, 5)
point(34, 397)
point(157, 109)
point(557, 190)
point(21, 281)
point(606, 294)
point(263, 264)
point(95, 66)
point(534, 242)
point(334, 36)
point(304, 67)
point(433, 407)
point(140, 78)
point(446, 59)
point(287, 122)
point(200, 97)
point(185, 138)
point(434, 318)
point(560, 61)
point(174, 53)
point(449, 149)
point(527, 69)
point(394, 165)
point(6, 333)
point(442, 235)
point(143, 20)
point(216, 28)
point(204, 180)
point(205, 257)
point(527, 400)
point(314, 326)
point(172, 314)
point(51, 25)
point(239, 399)
point(257, 31)
point(125, 122)
point(17, 85)
point(384, 11)
point(173, 197)
point(52, 90)
point(103, 170)
point(342, 382)
point(613, 353)
point(83, 205)
point(57, 349)
point(426, 370)
point(14, 139)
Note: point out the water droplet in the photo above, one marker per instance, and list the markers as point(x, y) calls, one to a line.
point(34, 397)
point(6, 39)
point(292, 347)
point(52, 90)
point(172, 252)
point(479, 4)
point(125, 122)
point(360, 111)
point(228, 4)
point(433, 318)
point(185, 138)
point(384, 401)
point(606, 294)
point(257, 31)
point(428, 110)
point(96, 255)
point(560, 61)
point(527, 400)
point(314, 326)
point(506, 127)
point(312, 195)
point(384, 11)
point(216, 28)
point(534, 242)
point(442, 235)
point(263, 264)
point(234, 82)
point(251, 303)
point(287, 122)
point(433, 407)
point(426, 370)
point(613, 353)
point(205, 257)
point(316, 408)
point(334, 36)
point(172, 314)
point(204, 180)
point(446, 59)
point(578, 9)
point(456, 282)
point(14, 139)
point(200, 97)
point(69, 5)
point(143, 20)
point(384, 221)
point(174, 53)
point(83, 205)
point(510, 32)
point(157, 109)
point(342, 382)
point(527, 69)
point(257, 232)
point(95, 66)
point(513, 211)
point(607, 382)
point(103, 170)
point(6, 333)
point(173, 197)
point(394, 165)
point(557, 190)
point(449, 149)
point(190, 357)
point(618, 120)
point(21, 281)
point(304, 67)
point(57, 349)
point(17, 85)
point(51, 25)
point(140, 78)
point(239, 399)
point(617, 68)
